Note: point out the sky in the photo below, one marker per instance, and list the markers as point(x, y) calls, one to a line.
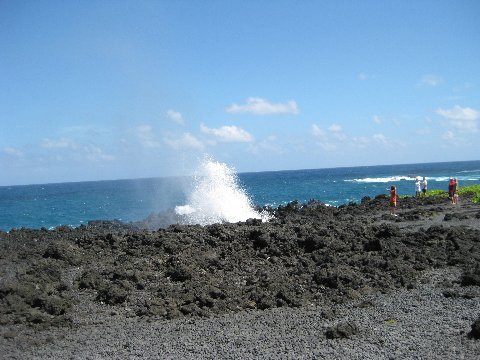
point(101, 90)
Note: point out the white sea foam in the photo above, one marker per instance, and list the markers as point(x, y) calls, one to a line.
point(184, 210)
point(384, 179)
point(470, 171)
point(389, 179)
point(217, 197)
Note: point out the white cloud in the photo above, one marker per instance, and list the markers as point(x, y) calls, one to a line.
point(335, 128)
point(376, 119)
point(61, 143)
point(380, 138)
point(12, 151)
point(228, 133)
point(324, 142)
point(75, 150)
point(145, 135)
point(459, 113)
point(462, 118)
point(448, 135)
point(259, 106)
point(430, 80)
point(337, 132)
point(318, 132)
point(454, 139)
point(175, 116)
point(187, 140)
point(94, 153)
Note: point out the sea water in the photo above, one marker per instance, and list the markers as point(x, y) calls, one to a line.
point(215, 193)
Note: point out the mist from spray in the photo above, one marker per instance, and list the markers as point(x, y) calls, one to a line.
point(217, 197)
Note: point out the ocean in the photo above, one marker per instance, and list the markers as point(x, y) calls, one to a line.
point(215, 193)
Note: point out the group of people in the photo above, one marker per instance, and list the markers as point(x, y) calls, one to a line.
point(421, 189)
point(420, 186)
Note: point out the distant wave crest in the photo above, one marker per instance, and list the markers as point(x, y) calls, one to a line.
point(389, 179)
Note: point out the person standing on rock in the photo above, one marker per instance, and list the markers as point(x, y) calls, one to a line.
point(417, 187)
point(455, 192)
point(424, 185)
point(451, 190)
point(393, 200)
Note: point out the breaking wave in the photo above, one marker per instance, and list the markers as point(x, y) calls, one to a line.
point(388, 179)
point(217, 197)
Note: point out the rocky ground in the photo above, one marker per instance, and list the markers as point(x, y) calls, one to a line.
point(347, 282)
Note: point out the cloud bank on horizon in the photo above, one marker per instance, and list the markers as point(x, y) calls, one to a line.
point(259, 106)
point(141, 89)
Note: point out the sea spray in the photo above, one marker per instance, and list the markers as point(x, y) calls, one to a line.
point(217, 197)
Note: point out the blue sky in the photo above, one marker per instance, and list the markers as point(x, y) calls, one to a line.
point(94, 90)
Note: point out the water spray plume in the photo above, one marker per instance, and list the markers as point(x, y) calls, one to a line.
point(217, 197)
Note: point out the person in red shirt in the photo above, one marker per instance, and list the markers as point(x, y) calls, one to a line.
point(451, 190)
point(393, 200)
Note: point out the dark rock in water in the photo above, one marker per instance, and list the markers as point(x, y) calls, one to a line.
point(475, 333)
point(342, 330)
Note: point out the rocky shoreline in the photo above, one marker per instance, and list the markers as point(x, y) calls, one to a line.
point(310, 261)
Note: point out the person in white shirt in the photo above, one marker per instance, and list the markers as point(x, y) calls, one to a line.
point(424, 185)
point(417, 187)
